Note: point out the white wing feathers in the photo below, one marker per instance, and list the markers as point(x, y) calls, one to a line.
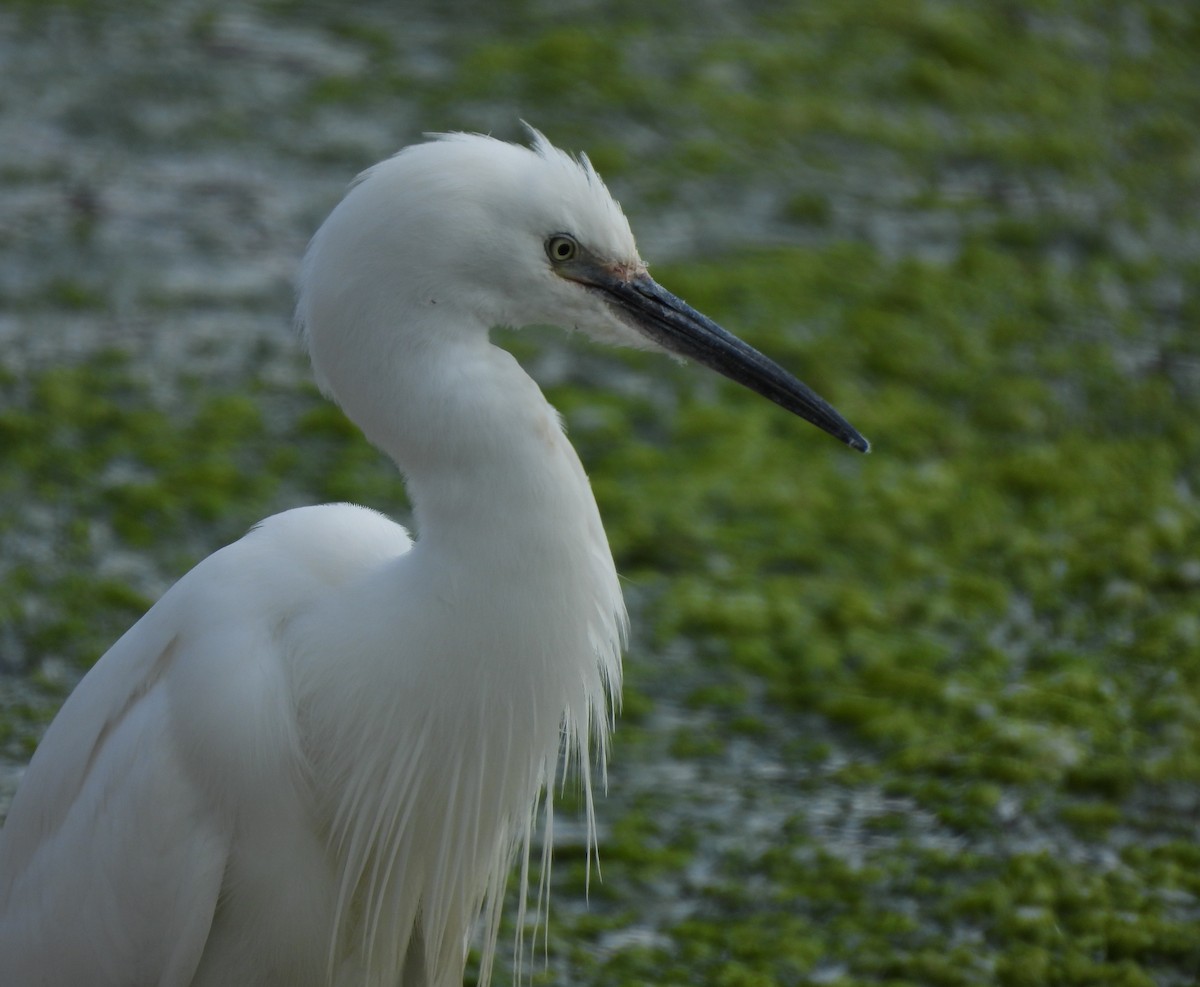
point(119, 838)
point(107, 804)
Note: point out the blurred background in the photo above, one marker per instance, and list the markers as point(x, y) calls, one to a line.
point(927, 717)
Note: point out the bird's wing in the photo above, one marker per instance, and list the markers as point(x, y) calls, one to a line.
point(122, 832)
point(111, 859)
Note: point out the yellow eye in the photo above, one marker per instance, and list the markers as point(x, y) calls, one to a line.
point(561, 247)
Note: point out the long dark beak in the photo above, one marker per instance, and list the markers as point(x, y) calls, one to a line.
point(676, 326)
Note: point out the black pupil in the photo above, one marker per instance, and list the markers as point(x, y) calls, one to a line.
point(563, 249)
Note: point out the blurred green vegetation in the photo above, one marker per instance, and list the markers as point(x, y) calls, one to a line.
point(980, 644)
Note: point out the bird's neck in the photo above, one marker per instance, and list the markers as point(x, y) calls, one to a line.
point(487, 466)
point(502, 507)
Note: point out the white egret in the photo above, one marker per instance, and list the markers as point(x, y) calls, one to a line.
point(315, 759)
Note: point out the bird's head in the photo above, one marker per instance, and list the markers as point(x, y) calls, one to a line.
point(476, 233)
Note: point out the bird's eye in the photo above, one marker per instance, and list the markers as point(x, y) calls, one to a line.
point(561, 247)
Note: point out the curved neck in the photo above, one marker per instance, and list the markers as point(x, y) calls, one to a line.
point(483, 454)
point(501, 503)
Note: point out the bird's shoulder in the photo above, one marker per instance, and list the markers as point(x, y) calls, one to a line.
point(333, 542)
point(282, 566)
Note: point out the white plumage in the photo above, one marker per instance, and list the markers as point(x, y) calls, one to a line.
point(315, 758)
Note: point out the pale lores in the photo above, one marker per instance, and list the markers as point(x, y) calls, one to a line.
point(315, 760)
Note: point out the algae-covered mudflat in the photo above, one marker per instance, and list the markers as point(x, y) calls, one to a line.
point(929, 716)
